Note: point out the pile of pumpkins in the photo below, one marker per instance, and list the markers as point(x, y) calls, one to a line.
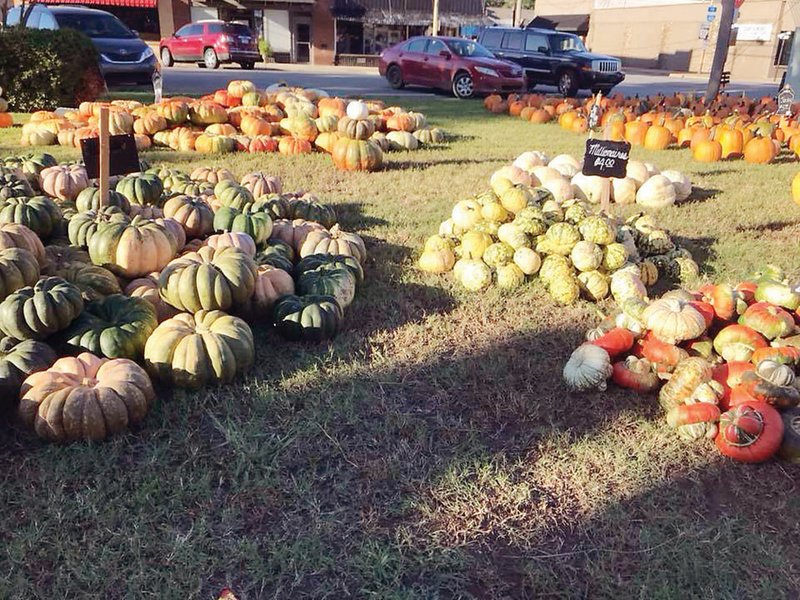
point(159, 284)
point(731, 128)
point(721, 358)
point(537, 218)
point(243, 118)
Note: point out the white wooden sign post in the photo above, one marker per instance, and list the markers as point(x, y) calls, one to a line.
point(105, 157)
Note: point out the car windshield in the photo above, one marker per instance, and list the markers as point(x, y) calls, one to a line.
point(95, 25)
point(237, 29)
point(567, 43)
point(469, 48)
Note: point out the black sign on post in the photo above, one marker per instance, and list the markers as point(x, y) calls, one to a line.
point(785, 100)
point(124, 155)
point(606, 159)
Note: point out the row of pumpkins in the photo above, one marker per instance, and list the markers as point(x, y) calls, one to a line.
point(161, 283)
point(722, 360)
point(758, 138)
point(242, 118)
point(533, 221)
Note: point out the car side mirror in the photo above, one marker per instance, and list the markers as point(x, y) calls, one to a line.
point(544, 49)
point(445, 54)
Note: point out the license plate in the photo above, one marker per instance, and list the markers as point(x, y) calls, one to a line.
point(244, 39)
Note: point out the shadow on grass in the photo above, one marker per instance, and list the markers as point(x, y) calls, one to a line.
point(762, 227)
point(351, 217)
point(403, 165)
point(702, 249)
point(700, 194)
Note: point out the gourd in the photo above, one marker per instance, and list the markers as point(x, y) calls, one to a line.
point(18, 268)
point(527, 260)
point(206, 348)
point(17, 361)
point(85, 398)
point(37, 312)
point(588, 368)
point(689, 373)
point(39, 213)
point(307, 318)
point(594, 285)
point(509, 276)
point(673, 320)
point(194, 214)
point(132, 249)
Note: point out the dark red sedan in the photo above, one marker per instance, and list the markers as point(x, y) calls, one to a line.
point(462, 66)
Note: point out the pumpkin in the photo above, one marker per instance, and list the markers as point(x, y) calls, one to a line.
point(263, 143)
point(144, 188)
point(18, 360)
point(291, 145)
point(252, 219)
point(513, 235)
point(357, 109)
point(14, 235)
point(308, 209)
point(235, 239)
point(355, 129)
point(207, 113)
point(206, 348)
point(271, 284)
point(260, 184)
point(334, 241)
point(593, 284)
point(778, 294)
point(93, 282)
point(132, 248)
point(732, 142)
point(39, 214)
point(796, 188)
point(194, 214)
point(737, 343)
point(527, 260)
point(588, 368)
point(147, 289)
point(635, 374)
point(474, 274)
point(209, 279)
point(673, 320)
point(759, 150)
point(768, 320)
point(429, 136)
point(566, 290)
point(63, 181)
point(330, 279)
point(307, 318)
point(85, 398)
point(617, 341)
point(14, 186)
point(586, 256)
point(751, 432)
point(37, 312)
point(439, 260)
point(707, 151)
point(356, 154)
point(150, 123)
point(401, 140)
point(625, 285)
point(657, 192)
point(688, 374)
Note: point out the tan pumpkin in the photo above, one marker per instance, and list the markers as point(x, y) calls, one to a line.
point(147, 288)
point(212, 175)
point(674, 320)
point(149, 123)
point(261, 184)
point(233, 239)
point(334, 241)
point(294, 232)
point(271, 284)
point(85, 398)
point(64, 182)
point(14, 235)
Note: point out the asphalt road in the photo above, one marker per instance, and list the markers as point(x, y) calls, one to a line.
point(348, 81)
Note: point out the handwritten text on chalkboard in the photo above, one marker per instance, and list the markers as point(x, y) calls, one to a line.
point(606, 159)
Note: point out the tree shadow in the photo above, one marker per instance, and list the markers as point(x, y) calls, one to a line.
point(404, 165)
point(762, 227)
point(700, 194)
point(351, 216)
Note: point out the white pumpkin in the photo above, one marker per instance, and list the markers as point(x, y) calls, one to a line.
point(527, 161)
point(588, 187)
point(565, 164)
point(588, 368)
point(586, 256)
point(357, 110)
point(546, 173)
point(626, 285)
point(651, 169)
point(527, 260)
point(681, 183)
point(466, 214)
point(673, 320)
point(656, 193)
point(623, 190)
point(560, 188)
point(637, 171)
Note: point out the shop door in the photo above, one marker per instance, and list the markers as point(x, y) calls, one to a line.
point(302, 42)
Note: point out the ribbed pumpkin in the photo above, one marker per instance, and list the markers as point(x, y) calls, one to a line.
point(207, 113)
point(94, 282)
point(334, 241)
point(83, 225)
point(141, 189)
point(429, 136)
point(230, 193)
point(176, 113)
point(132, 249)
point(261, 184)
point(17, 361)
point(308, 318)
point(401, 140)
point(253, 219)
point(209, 279)
point(328, 280)
point(37, 312)
point(194, 351)
point(235, 239)
point(207, 143)
point(63, 181)
point(39, 214)
point(14, 235)
point(272, 283)
point(356, 155)
point(150, 123)
point(355, 129)
point(18, 268)
point(212, 175)
point(147, 289)
point(194, 214)
point(85, 398)
point(115, 327)
point(291, 145)
point(309, 209)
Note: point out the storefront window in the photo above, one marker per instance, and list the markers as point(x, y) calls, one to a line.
point(784, 48)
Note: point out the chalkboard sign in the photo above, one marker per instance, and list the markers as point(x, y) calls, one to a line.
point(124, 158)
point(606, 159)
point(785, 100)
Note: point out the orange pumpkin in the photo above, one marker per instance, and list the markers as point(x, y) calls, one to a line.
point(291, 145)
point(635, 132)
point(759, 150)
point(657, 137)
point(707, 151)
point(731, 141)
point(796, 189)
point(6, 120)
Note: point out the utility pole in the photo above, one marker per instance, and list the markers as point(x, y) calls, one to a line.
point(518, 13)
point(721, 50)
point(435, 17)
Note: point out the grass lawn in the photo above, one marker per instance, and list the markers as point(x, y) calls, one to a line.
point(431, 450)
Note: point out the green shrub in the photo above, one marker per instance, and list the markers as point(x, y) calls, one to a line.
point(42, 69)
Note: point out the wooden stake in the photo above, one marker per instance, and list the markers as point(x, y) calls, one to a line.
point(435, 26)
point(105, 157)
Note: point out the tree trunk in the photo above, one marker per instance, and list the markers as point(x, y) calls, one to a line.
point(720, 51)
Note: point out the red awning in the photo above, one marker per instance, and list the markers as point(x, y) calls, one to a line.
point(133, 3)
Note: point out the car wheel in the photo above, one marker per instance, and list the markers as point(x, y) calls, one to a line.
point(210, 58)
point(166, 57)
point(395, 77)
point(568, 84)
point(248, 66)
point(463, 86)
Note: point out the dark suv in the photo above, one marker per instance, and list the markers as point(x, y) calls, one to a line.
point(554, 58)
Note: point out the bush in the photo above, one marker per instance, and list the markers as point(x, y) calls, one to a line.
point(42, 69)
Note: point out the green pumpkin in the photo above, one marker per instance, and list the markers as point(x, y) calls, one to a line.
point(163, 172)
point(283, 248)
point(193, 188)
point(83, 225)
point(598, 230)
point(233, 195)
point(209, 279)
point(329, 280)
point(498, 254)
point(560, 239)
point(654, 242)
point(614, 256)
point(311, 210)
point(252, 219)
point(278, 207)
point(39, 214)
point(89, 199)
point(13, 186)
point(683, 269)
point(175, 180)
point(18, 269)
point(308, 318)
point(17, 361)
point(141, 189)
point(195, 351)
point(93, 281)
point(274, 257)
point(37, 312)
point(33, 164)
point(314, 261)
point(115, 327)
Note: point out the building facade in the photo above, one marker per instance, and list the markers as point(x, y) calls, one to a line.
point(680, 35)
